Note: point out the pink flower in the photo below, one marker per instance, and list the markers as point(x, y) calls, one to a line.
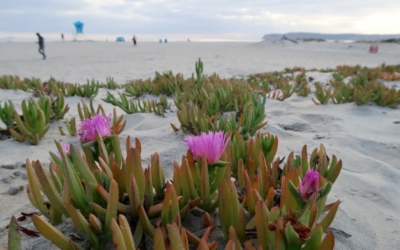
point(88, 127)
point(211, 145)
point(67, 148)
point(309, 184)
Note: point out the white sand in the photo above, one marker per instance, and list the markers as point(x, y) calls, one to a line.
point(76, 62)
point(365, 138)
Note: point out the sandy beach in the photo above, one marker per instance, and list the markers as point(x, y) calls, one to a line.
point(366, 138)
point(79, 61)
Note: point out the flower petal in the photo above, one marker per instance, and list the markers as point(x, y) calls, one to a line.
point(212, 145)
point(88, 127)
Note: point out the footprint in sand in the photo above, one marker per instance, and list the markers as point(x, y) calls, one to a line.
point(297, 127)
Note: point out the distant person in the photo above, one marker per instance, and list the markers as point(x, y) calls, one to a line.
point(165, 40)
point(188, 40)
point(41, 45)
point(373, 49)
point(134, 40)
point(160, 40)
point(62, 36)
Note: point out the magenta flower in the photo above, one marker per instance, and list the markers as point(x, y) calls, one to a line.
point(88, 127)
point(67, 148)
point(211, 145)
point(309, 184)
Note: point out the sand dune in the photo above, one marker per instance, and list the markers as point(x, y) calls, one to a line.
point(366, 138)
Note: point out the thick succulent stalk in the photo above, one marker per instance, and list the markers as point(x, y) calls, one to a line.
point(14, 237)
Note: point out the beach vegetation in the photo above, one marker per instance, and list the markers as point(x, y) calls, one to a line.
point(140, 106)
point(89, 128)
point(199, 86)
point(112, 198)
point(7, 113)
point(163, 83)
point(231, 171)
point(110, 84)
point(33, 124)
point(246, 120)
point(86, 112)
point(323, 94)
point(359, 89)
point(13, 82)
point(89, 90)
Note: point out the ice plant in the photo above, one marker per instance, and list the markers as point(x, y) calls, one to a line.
point(67, 148)
point(212, 145)
point(89, 126)
point(309, 184)
point(208, 149)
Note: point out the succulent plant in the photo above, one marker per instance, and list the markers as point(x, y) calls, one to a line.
point(141, 106)
point(304, 91)
point(128, 106)
point(285, 219)
point(86, 111)
point(71, 127)
point(163, 83)
point(246, 154)
point(247, 120)
point(285, 231)
point(199, 73)
point(90, 127)
point(110, 84)
point(193, 119)
point(14, 237)
point(13, 82)
point(231, 212)
point(7, 113)
point(35, 84)
point(45, 104)
point(322, 94)
point(342, 93)
point(205, 154)
point(100, 186)
point(346, 70)
point(58, 106)
point(230, 169)
point(287, 91)
point(67, 196)
point(137, 88)
point(33, 126)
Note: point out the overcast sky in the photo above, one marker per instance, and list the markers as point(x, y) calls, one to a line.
point(207, 19)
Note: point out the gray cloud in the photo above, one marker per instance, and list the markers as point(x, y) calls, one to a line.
point(246, 19)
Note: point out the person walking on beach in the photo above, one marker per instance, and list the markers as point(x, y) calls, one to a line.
point(41, 45)
point(134, 40)
point(62, 36)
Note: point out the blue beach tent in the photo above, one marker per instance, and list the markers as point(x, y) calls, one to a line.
point(120, 39)
point(78, 27)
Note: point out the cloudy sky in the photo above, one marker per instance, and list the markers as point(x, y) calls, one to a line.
point(206, 19)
